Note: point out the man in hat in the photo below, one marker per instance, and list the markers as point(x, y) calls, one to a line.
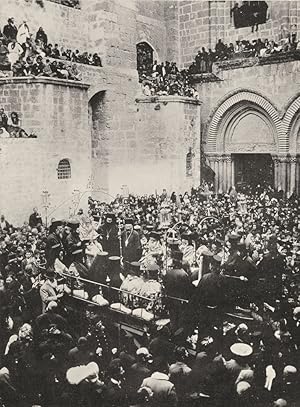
point(131, 285)
point(73, 242)
point(131, 244)
point(54, 242)
point(10, 31)
point(187, 248)
point(270, 270)
point(153, 251)
point(50, 291)
point(178, 286)
point(109, 235)
point(35, 218)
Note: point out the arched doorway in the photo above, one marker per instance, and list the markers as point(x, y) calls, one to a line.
point(144, 58)
point(244, 138)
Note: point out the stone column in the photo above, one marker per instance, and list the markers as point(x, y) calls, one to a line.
point(297, 175)
point(220, 174)
point(292, 180)
point(214, 166)
point(228, 172)
point(232, 172)
point(276, 173)
point(283, 173)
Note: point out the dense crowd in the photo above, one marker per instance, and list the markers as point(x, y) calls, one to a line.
point(215, 277)
point(166, 79)
point(242, 49)
point(10, 127)
point(29, 56)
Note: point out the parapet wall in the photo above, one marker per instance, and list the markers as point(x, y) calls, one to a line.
point(29, 166)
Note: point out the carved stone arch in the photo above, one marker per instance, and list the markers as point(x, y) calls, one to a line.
point(230, 107)
point(291, 124)
point(263, 139)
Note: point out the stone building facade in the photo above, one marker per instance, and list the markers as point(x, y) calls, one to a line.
point(116, 139)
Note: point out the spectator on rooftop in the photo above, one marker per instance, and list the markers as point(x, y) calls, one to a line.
point(41, 37)
point(10, 30)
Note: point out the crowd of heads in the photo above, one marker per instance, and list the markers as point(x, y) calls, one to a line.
point(165, 79)
point(27, 55)
point(233, 337)
point(242, 49)
point(10, 127)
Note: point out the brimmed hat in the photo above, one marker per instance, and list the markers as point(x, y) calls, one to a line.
point(154, 235)
point(73, 224)
point(114, 258)
point(56, 223)
point(77, 251)
point(241, 349)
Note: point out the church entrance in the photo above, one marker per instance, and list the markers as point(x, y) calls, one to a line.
point(252, 170)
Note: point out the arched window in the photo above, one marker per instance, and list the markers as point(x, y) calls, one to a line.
point(144, 57)
point(64, 169)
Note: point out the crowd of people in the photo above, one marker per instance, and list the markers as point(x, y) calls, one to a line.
point(166, 79)
point(215, 277)
point(242, 49)
point(27, 55)
point(10, 127)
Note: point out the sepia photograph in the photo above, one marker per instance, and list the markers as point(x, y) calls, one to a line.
point(149, 203)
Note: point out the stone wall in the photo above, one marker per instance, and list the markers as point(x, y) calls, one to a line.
point(202, 23)
point(63, 25)
point(275, 83)
point(29, 166)
point(167, 127)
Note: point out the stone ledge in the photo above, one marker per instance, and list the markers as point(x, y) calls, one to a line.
point(168, 99)
point(43, 80)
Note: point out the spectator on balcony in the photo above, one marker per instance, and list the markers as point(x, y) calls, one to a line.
point(23, 33)
point(10, 30)
point(74, 73)
point(38, 67)
point(97, 60)
point(75, 56)
point(55, 52)
point(3, 119)
point(48, 50)
point(15, 52)
point(221, 49)
point(4, 61)
point(41, 37)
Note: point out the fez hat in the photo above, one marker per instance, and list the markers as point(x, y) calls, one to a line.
point(241, 349)
point(129, 221)
point(154, 235)
point(50, 273)
point(187, 236)
point(234, 237)
point(176, 255)
point(110, 215)
point(135, 267)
